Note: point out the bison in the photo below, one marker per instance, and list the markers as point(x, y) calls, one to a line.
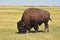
point(32, 18)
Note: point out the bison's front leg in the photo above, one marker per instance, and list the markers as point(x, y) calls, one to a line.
point(28, 27)
point(36, 27)
point(46, 27)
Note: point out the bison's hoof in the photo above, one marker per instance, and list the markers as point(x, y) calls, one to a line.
point(36, 30)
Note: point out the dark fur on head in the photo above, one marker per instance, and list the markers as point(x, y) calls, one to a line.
point(21, 27)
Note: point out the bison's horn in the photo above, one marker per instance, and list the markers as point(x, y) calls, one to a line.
point(23, 23)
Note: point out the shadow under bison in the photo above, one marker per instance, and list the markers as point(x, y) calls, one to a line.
point(39, 31)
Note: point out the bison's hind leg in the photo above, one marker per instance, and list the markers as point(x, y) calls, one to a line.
point(46, 26)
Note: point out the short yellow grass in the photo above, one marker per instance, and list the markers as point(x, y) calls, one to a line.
point(10, 15)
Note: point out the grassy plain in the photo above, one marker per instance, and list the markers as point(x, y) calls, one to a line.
point(10, 15)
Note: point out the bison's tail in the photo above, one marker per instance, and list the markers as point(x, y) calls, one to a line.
point(50, 19)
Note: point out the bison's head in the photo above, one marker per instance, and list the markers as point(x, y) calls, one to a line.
point(21, 27)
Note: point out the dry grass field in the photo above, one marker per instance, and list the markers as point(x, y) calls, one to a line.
point(10, 15)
